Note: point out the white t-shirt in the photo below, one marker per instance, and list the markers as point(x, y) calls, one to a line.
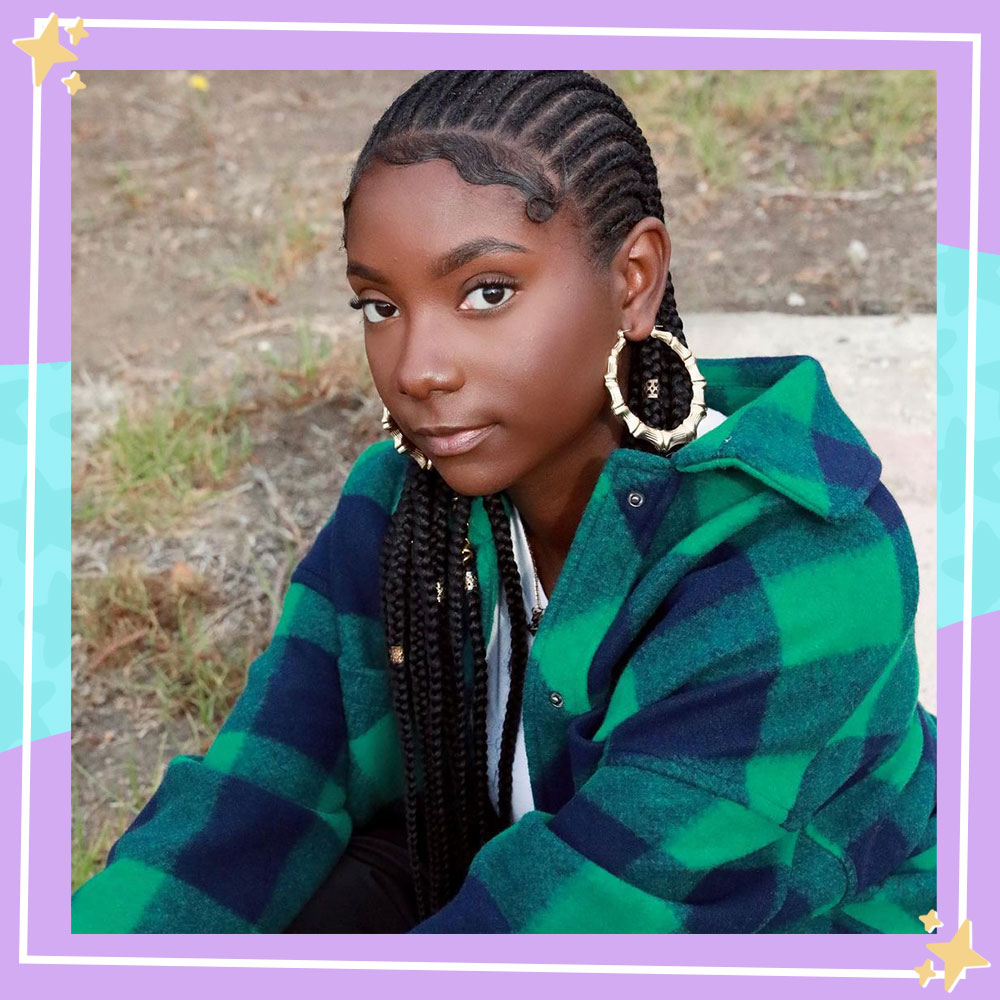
point(498, 657)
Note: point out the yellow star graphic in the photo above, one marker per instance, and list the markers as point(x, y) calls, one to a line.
point(77, 32)
point(74, 83)
point(45, 50)
point(930, 920)
point(958, 954)
point(926, 972)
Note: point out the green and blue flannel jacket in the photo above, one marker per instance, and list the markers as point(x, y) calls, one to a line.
point(738, 746)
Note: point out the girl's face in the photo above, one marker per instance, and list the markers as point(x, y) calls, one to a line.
point(487, 334)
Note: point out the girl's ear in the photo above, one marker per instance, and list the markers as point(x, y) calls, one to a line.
point(640, 276)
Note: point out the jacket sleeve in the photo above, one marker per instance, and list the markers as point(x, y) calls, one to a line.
point(237, 840)
point(736, 786)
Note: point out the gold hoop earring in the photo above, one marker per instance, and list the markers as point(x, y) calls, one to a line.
point(662, 440)
point(400, 443)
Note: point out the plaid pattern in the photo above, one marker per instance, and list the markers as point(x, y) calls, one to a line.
point(738, 748)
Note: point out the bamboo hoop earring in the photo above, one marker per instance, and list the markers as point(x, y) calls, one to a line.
point(400, 443)
point(662, 440)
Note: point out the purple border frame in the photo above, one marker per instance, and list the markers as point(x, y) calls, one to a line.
point(133, 49)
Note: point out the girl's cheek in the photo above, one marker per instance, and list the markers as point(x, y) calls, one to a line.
point(380, 370)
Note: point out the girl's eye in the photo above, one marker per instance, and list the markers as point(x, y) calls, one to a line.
point(374, 310)
point(487, 297)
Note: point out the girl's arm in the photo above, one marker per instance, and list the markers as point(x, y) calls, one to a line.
point(238, 840)
point(764, 765)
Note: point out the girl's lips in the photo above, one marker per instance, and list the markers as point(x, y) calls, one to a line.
point(455, 443)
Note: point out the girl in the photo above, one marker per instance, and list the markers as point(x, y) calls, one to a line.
point(559, 663)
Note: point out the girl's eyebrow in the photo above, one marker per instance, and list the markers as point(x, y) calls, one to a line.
point(470, 250)
point(363, 271)
point(448, 262)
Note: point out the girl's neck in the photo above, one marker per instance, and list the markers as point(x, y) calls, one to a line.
point(552, 500)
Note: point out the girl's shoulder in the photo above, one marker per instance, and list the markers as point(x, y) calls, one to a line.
point(378, 474)
point(349, 542)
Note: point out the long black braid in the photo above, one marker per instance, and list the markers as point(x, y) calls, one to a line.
point(557, 137)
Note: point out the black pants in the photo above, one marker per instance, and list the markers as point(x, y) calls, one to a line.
point(370, 890)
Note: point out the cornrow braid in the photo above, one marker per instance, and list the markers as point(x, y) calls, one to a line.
point(559, 138)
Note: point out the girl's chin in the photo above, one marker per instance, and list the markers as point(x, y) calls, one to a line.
point(472, 479)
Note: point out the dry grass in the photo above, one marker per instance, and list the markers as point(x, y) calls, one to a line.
point(153, 634)
point(273, 265)
point(320, 370)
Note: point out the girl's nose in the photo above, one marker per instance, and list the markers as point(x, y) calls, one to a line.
point(427, 365)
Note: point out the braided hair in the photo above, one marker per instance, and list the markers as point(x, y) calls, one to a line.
point(557, 137)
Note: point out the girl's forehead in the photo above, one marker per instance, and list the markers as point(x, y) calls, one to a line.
point(430, 203)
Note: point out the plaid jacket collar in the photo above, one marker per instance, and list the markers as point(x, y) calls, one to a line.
point(784, 428)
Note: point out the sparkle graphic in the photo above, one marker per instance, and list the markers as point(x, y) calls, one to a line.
point(74, 83)
point(77, 32)
point(926, 972)
point(957, 955)
point(45, 50)
point(930, 920)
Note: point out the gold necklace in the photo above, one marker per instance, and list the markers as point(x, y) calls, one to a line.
point(537, 611)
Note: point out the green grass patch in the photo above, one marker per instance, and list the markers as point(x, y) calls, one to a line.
point(821, 130)
point(156, 463)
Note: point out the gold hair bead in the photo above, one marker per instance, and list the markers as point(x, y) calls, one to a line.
point(395, 654)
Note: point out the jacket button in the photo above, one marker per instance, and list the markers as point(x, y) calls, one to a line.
point(635, 499)
point(555, 699)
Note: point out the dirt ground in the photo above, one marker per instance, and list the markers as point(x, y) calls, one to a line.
point(177, 195)
point(206, 240)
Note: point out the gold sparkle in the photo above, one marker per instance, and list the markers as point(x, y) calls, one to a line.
point(74, 83)
point(77, 32)
point(45, 50)
point(930, 920)
point(957, 954)
point(926, 972)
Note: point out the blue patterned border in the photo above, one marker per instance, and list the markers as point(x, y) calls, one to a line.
point(952, 350)
point(50, 690)
point(986, 507)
